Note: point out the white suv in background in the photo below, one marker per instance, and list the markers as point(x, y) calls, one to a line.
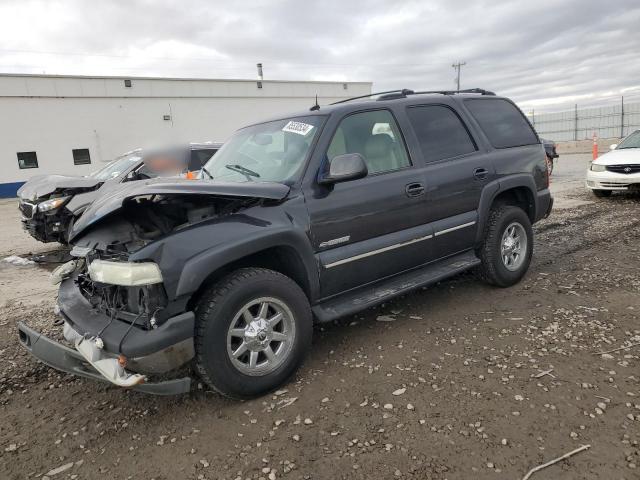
point(618, 169)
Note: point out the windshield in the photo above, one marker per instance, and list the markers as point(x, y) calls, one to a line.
point(632, 141)
point(117, 166)
point(268, 152)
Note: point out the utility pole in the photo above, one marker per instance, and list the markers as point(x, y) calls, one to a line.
point(457, 67)
point(622, 117)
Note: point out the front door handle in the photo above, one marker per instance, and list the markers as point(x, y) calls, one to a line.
point(481, 173)
point(414, 189)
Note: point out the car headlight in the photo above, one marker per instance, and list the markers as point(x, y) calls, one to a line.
point(597, 168)
point(128, 274)
point(52, 204)
point(65, 270)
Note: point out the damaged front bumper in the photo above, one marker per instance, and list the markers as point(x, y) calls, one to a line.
point(49, 227)
point(71, 361)
point(112, 349)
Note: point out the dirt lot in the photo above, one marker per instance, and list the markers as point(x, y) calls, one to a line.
point(451, 386)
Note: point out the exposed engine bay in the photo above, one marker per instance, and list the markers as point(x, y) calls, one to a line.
point(140, 221)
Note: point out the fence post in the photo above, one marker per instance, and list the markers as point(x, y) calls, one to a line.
point(533, 117)
point(622, 117)
point(575, 124)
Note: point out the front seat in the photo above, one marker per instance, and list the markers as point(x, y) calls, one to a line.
point(378, 153)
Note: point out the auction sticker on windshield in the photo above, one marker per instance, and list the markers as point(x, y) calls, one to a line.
point(297, 127)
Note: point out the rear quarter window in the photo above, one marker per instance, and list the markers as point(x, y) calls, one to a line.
point(502, 122)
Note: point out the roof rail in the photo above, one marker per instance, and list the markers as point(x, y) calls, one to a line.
point(481, 91)
point(402, 93)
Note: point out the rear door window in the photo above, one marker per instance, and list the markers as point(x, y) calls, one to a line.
point(502, 122)
point(440, 132)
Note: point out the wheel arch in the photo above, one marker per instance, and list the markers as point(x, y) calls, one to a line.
point(281, 254)
point(515, 190)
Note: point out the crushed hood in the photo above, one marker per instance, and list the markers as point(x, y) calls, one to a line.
point(116, 197)
point(43, 185)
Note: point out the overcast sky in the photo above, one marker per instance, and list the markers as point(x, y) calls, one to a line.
point(544, 54)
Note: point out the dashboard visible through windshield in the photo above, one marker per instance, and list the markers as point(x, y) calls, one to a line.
point(117, 166)
point(268, 152)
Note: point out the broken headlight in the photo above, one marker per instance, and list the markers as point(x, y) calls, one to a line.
point(128, 274)
point(65, 271)
point(52, 204)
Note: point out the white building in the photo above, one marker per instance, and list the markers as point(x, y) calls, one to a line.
point(53, 124)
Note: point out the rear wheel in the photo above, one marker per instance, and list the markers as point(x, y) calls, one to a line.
point(602, 193)
point(507, 248)
point(549, 165)
point(253, 330)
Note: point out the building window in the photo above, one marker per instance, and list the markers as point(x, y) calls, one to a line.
point(127, 83)
point(81, 156)
point(27, 160)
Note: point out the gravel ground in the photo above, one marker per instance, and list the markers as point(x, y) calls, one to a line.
point(457, 381)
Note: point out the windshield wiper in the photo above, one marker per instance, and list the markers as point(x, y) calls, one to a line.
point(207, 172)
point(243, 170)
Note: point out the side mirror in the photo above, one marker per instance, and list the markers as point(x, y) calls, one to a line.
point(342, 168)
point(613, 146)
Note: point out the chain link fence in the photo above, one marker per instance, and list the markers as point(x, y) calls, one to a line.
point(615, 121)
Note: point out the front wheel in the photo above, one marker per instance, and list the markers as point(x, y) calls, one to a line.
point(253, 329)
point(507, 247)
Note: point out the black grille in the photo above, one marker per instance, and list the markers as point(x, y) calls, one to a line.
point(26, 209)
point(624, 168)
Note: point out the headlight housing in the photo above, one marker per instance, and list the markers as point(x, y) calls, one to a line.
point(127, 274)
point(597, 168)
point(52, 203)
point(65, 270)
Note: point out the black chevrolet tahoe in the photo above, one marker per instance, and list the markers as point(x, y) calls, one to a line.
point(301, 219)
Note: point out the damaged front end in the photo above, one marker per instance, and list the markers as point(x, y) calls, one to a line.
point(46, 219)
point(48, 204)
point(117, 297)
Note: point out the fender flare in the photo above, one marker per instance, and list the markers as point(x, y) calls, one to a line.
point(495, 188)
point(197, 269)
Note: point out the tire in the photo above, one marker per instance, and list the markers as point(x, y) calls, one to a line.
point(493, 268)
point(602, 193)
point(222, 330)
point(549, 165)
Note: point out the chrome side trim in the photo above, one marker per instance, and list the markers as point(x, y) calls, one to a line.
point(452, 229)
point(335, 241)
point(375, 252)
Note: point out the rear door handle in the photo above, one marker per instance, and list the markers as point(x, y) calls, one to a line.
point(481, 173)
point(414, 189)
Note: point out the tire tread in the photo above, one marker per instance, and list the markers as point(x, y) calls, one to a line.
point(211, 298)
point(488, 253)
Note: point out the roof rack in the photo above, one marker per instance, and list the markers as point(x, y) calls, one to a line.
point(480, 91)
point(403, 93)
point(372, 95)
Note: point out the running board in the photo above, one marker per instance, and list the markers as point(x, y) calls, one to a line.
point(371, 295)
